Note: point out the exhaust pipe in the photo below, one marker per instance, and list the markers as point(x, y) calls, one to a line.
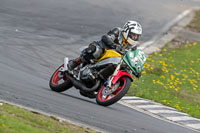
point(80, 85)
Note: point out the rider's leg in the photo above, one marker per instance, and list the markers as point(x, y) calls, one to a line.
point(94, 51)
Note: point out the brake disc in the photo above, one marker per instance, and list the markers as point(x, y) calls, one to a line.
point(107, 90)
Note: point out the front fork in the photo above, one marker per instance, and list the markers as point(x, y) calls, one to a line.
point(117, 75)
point(109, 84)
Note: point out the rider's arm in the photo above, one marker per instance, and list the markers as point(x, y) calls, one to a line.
point(111, 38)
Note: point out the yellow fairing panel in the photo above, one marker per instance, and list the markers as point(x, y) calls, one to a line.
point(109, 53)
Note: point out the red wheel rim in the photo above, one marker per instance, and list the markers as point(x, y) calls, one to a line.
point(56, 78)
point(101, 97)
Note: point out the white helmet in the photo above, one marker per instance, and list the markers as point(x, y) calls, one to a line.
point(132, 32)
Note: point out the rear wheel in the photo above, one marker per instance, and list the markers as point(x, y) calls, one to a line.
point(107, 96)
point(59, 82)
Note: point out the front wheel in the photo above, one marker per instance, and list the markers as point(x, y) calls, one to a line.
point(107, 96)
point(59, 82)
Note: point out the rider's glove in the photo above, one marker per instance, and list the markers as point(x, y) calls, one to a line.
point(118, 48)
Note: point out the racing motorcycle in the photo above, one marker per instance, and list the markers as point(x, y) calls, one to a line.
point(107, 79)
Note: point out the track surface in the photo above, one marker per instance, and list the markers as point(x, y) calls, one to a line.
point(35, 35)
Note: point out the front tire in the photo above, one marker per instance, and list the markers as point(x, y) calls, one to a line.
point(106, 100)
point(59, 82)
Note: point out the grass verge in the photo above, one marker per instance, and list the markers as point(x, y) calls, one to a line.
point(17, 120)
point(172, 76)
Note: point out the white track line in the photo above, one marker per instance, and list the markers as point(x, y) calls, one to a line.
point(137, 101)
point(196, 126)
point(150, 106)
point(180, 118)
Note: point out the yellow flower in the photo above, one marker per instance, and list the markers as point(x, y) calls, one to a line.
point(144, 72)
point(165, 70)
point(172, 77)
point(162, 77)
point(158, 82)
point(147, 65)
point(176, 73)
point(3, 125)
point(176, 89)
point(195, 43)
point(196, 86)
point(171, 86)
point(194, 81)
point(194, 89)
point(165, 50)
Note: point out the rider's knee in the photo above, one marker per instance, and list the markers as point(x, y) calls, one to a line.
point(94, 51)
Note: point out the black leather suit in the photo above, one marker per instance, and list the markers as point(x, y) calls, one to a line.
point(111, 40)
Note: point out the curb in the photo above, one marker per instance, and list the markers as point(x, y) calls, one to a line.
point(158, 110)
point(161, 111)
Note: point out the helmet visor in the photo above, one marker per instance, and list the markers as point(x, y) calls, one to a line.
point(134, 36)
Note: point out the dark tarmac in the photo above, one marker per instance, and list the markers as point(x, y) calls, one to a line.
point(36, 35)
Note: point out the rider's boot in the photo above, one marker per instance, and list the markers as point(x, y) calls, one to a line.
point(74, 63)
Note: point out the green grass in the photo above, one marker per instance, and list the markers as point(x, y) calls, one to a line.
point(195, 24)
point(172, 77)
point(17, 120)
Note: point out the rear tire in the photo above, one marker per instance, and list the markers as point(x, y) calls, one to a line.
point(54, 82)
point(125, 83)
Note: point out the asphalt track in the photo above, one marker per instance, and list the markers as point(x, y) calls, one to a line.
point(35, 35)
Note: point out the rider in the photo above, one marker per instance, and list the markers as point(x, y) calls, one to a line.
point(114, 39)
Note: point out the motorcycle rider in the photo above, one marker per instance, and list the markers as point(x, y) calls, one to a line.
point(114, 39)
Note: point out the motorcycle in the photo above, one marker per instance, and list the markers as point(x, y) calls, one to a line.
point(107, 79)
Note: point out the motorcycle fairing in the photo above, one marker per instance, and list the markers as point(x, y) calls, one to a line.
point(113, 60)
point(109, 53)
point(135, 60)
